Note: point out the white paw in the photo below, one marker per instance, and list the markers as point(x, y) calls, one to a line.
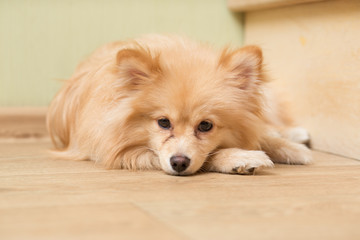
point(295, 154)
point(297, 134)
point(234, 160)
point(250, 161)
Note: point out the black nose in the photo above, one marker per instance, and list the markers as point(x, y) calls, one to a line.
point(179, 163)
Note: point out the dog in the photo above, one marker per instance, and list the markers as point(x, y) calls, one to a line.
point(170, 103)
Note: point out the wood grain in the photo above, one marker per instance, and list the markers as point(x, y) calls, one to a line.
point(43, 198)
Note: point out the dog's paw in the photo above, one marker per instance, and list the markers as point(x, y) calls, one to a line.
point(298, 135)
point(294, 153)
point(250, 162)
point(240, 161)
point(299, 154)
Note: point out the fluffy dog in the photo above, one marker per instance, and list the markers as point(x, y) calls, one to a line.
point(166, 102)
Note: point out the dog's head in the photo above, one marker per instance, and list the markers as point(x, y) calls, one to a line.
point(191, 102)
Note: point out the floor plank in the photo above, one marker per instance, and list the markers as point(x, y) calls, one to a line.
point(43, 198)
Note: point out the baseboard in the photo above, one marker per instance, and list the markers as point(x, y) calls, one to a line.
point(24, 122)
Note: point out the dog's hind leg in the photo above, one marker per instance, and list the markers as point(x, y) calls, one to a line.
point(296, 134)
point(282, 150)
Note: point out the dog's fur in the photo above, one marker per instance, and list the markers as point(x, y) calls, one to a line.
point(108, 110)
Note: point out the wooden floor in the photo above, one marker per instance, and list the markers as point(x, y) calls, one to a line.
point(41, 198)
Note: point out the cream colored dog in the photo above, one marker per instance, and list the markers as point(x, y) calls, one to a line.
point(165, 102)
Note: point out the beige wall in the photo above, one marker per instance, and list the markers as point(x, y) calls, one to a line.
point(313, 53)
point(41, 41)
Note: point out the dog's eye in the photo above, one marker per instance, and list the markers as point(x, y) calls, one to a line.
point(164, 123)
point(205, 126)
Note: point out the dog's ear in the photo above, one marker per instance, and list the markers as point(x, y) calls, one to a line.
point(243, 66)
point(136, 67)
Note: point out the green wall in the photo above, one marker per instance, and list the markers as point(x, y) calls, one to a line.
point(41, 41)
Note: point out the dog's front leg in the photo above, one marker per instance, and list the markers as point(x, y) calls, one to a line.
point(137, 158)
point(235, 160)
